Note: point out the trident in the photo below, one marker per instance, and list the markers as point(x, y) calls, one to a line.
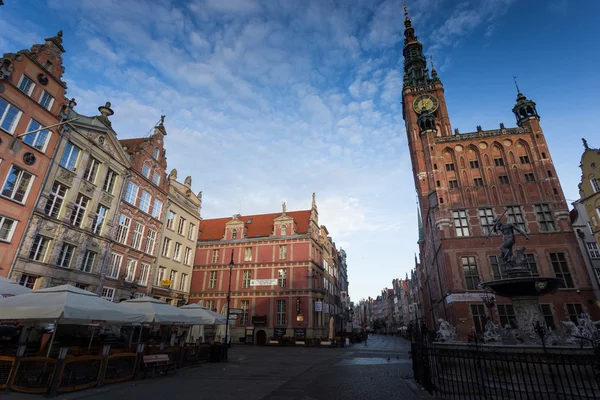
point(492, 231)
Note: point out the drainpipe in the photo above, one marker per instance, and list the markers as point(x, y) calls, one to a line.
point(110, 238)
point(70, 105)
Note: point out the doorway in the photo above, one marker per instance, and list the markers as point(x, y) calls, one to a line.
point(261, 338)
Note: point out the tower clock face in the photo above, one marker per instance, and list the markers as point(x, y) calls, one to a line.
point(426, 102)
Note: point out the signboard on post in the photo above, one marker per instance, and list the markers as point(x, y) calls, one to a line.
point(263, 282)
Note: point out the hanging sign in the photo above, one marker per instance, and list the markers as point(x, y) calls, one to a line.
point(326, 307)
point(318, 306)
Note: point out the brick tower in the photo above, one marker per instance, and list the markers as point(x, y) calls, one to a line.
point(463, 181)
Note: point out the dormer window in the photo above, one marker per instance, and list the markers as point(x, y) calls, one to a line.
point(233, 234)
point(155, 153)
point(283, 230)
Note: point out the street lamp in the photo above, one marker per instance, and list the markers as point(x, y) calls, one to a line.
point(231, 265)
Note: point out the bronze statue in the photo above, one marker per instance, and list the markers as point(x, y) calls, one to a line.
point(508, 238)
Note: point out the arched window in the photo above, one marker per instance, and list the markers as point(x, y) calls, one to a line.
point(155, 153)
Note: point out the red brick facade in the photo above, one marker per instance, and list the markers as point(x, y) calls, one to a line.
point(464, 181)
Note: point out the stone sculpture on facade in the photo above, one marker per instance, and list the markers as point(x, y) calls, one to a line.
point(446, 332)
point(492, 332)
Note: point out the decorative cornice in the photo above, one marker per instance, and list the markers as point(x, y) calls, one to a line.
point(480, 134)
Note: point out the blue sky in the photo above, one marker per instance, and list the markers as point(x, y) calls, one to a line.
point(268, 101)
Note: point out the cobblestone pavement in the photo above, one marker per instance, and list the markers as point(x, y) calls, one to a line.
point(380, 370)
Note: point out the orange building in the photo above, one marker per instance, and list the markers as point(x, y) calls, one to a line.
point(278, 281)
point(464, 181)
point(32, 96)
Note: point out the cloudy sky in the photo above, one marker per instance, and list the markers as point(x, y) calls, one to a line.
point(270, 100)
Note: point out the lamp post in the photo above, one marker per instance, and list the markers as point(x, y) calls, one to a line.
point(231, 265)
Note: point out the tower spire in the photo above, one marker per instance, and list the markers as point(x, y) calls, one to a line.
point(409, 32)
point(516, 85)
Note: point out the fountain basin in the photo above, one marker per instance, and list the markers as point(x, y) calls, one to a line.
point(529, 286)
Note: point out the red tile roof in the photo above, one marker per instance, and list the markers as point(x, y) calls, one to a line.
point(261, 225)
point(132, 143)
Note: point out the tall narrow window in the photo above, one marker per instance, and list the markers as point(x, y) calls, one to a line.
point(574, 310)
point(283, 230)
point(38, 139)
point(561, 269)
point(544, 217)
point(87, 264)
point(145, 202)
point(26, 85)
point(471, 272)
point(123, 229)
point(156, 178)
point(595, 182)
point(212, 280)
point(65, 255)
point(183, 282)
point(187, 256)
point(281, 312)
point(246, 278)
point(506, 312)
point(515, 215)
point(70, 156)
point(146, 171)
point(166, 247)
point(181, 225)
point(144, 274)
point(79, 210)
point(155, 153)
point(248, 254)
point(479, 317)
point(131, 193)
point(39, 248)
point(281, 277)
point(109, 181)
point(150, 241)
point(546, 310)
point(46, 100)
point(9, 116)
point(191, 231)
point(170, 219)
point(99, 219)
point(7, 228)
point(173, 278)
point(137, 235)
point(130, 270)
point(215, 256)
point(486, 219)
point(157, 209)
point(160, 276)
point(593, 250)
point(55, 200)
point(245, 306)
point(114, 266)
point(177, 251)
point(460, 223)
point(91, 170)
point(17, 184)
point(282, 252)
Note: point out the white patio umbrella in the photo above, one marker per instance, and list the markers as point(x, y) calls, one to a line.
point(208, 316)
point(159, 312)
point(10, 288)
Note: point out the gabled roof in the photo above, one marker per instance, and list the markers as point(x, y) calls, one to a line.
point(260, 226)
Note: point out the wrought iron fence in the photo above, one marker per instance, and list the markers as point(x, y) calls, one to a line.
point(120, 367)
point(80, 373)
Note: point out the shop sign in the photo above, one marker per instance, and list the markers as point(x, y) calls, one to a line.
point(263, 282)
point(279, 332)
point(259, 320)
point(236, 311)
point(300, 333)
point(463, 297)
point(166, 282)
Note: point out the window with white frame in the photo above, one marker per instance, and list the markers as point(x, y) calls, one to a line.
point(215, 256)
point(55, 200)
point(17, 184)
point(130, 267)
point(114, 266)
point(146, 171)
point(150, 241)
point(281, 312)
point(137, 235)
point(38, 139)
point(246, 278)
point(87, 264)
point(123, 229)
point(99, 218)
point(595, 182)
point(155, 153)
point(166, 247)
point(170, 219)
point(486, 219)
point(187, 256)
point(245, 306)
point(28, 281)
point(282, 252)
point(156, 178)
point(9, 116)
point(471, 272)
point(181, 225)
point(79, 210)
point(561, 269)
point(183, 282)
point(46, 100)
point(131, 193)
point(65, 255)
point(177, 251)
point(39, 248)
point(107, 293)
point(460, 223)
point(144, 274)
point(544, 217)
point(160, 276)
point(593, 249)
point(281, 277)
point(212, 280)
point(70, 156)
point(157, 209)
point(26, 85)
point(191, 231)
point(515, 215)
point(109, 181)
point(172, 278)
point(91, 170)
point(248, 254)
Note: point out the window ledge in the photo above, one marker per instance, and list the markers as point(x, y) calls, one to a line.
point(14, 201)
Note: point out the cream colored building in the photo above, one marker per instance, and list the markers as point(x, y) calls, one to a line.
point(68, 239)
point(177, 250)
point(589, 189)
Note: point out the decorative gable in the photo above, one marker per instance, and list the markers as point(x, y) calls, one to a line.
point(234, 229)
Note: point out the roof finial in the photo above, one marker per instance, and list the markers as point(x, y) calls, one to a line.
point(284, 207)
point(314, 200)
point(585, 144)
point(406, 17)
point(516, 85)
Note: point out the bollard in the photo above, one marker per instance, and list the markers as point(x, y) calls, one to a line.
point(62, 354)
point(138, 359)
point(104, 366)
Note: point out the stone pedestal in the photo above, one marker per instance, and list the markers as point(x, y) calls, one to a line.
point(527, 313)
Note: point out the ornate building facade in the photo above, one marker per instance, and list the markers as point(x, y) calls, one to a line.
point(463, 182)
point(278, 282)
point(32, 99)
point(179, 235)
point(589, 187)
point(69, 238)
